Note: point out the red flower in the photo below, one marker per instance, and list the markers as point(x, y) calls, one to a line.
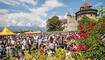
point(87, 33)
point(81, 26)
point(74, 49)
point(81, 31)
point(78, 49)
point(84, 48)
point(72, 36)
point(80, 43)
point(97, 35)
point(85, 36)
point(93, 24)
point(78, 37)
point(90, 27)
point(103, 25)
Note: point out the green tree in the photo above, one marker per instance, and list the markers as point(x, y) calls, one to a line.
point(54, 24)
point(102, 11)
point(86, 21)
point(96, 49)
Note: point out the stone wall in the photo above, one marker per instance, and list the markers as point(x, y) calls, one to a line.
point(71, 23)
point(92, 16)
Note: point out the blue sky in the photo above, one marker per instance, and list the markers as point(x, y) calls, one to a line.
point(36, 12)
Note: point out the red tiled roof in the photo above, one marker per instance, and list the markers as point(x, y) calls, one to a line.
point(86, 5)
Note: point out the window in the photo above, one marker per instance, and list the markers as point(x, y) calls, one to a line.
point(91, 14)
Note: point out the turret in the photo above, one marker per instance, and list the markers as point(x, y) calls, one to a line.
point(68, 20)
point(68, 14)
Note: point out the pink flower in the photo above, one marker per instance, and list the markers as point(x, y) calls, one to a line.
point(81, 26)
point(77, 46)
point(84, 48)
point(103, 25)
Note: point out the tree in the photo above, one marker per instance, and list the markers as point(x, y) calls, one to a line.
point(54, 24)
point(96, 49)
point(102, 11)
point(86, 21)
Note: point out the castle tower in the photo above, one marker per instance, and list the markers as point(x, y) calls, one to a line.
point(71, 23)
point(86, 10)
point(68, 20)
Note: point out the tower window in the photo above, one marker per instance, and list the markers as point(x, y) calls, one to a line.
point(91, 14)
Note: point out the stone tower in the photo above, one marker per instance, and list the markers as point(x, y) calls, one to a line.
point(86, 10)
point(71, 23)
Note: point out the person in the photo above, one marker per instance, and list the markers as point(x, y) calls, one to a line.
point(65, 45)
point(7, 51)
point(51, 45)
point(12, 42)
point(1, 50)
point(29, 44)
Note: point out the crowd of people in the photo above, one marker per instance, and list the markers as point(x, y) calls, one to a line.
point(45, 42)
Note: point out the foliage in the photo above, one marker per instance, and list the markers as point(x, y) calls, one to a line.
point(60, 54)
point(86, 21)
point(99, 28)
point(102, 11)
point(93, 30)
point(22, 31)
point(54, 24)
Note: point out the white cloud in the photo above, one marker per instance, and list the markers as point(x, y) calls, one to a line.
point(34, 18)
point(22, 19)
point(48, 5)
point(3, 11)
point(33, 2)
point(8, 2)
point(52, 4)
point(18, 2)
point(98, 4)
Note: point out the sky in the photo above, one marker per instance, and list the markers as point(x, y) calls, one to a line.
point(36, 12)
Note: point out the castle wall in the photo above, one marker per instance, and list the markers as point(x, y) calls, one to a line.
point(71, 23)
point(92, 16)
